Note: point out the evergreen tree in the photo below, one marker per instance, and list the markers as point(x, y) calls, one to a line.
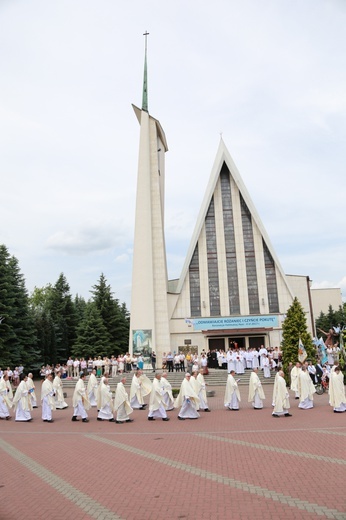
point(62, 311)
point(294, 328)
point(92, 335)
point(17, 331)
point(114, 316)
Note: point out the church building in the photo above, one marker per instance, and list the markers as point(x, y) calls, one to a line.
point(232, 288)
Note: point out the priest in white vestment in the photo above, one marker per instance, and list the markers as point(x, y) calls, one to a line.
point(201, 392)
point(262, 353)
point(281, 397)
point(306, 390)
point(187, 400)
point(47, 398)
point(21, 401)
point(80, 401)
point(122, 405)
point(294, 379)
point(5, 403)
point(167, 392)
point(105, 401)
point(31, 387)
point(140, 387)
point(256, 393)
point(60, 403)
point(239, 365)
point(337, 398)
point(266, 366)
point(92, 388)
point(230, 360)
point(232, 395)
point(255, 359)
point(275, 387)
point(157, 407)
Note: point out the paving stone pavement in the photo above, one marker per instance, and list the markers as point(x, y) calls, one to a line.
point(225, 465)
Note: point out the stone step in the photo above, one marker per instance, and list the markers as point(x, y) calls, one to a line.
point(214, 378)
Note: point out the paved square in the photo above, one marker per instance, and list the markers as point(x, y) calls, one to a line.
point(225, 465)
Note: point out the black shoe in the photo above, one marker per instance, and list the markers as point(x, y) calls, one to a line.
point(257, 408)
point(151, 419)
point(181, 418)
point(86, 420)
point(165, 419)
point(335, 411)
point(129, 420)
point(111, 420)
point(296, 398)
point(74, 418)
point(119, 422)
point(288, 415)
point(275, 415)
point(99, 419)
point(206, 410)
point(8, 418)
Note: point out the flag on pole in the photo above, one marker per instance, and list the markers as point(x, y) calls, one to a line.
point(302, 355)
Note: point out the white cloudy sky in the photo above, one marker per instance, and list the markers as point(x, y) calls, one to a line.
point(269, 74)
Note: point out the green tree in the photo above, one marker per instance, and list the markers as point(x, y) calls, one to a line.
point(294, 328)
point(92, 335)
point(62, 312)
point(18, 342)
point(115, 316)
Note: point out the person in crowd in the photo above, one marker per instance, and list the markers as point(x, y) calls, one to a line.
point(306, 390)
point(31, 387)
point(280, 397)
point(80, 401)
point(295, 379)
point(5, 403)
point(201, 391)
point(47, 398)
point(140, 387)
point(167, 392)
point(337, 398)
point(121, 405)
point(92, 388)
point(60, 403)
point(157, 406)
point(105, 401)
point(256, 393)
point(21, 401)
point(187, 400)
point(232, 395)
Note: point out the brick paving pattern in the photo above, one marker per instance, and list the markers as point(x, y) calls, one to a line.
point(225, 465)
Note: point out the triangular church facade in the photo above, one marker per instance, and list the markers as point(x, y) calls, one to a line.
point(232, 287)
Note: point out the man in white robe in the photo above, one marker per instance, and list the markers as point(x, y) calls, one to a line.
point(294, 379)
point(60, 403)
point(266, 366)
point(201, 392)
point(187, 400)
point(255, 358)
point(122, 405)
point(5, 403)
point(232, 395)
point(281, 397)
point(21, 401)
point(256, 393)
point(262, 353)
point(140, 387)
point(79, 400)
point(306, 390)
point(47, 398)
point(92, 388)
point(337, 398)
point(105, 402)
point(157, 407)
point(167, 392)
point(31, 387)
point(230, 360)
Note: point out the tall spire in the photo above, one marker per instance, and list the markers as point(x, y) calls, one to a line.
point(145, 79)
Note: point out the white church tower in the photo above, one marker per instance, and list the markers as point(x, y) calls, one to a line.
point(149, 323)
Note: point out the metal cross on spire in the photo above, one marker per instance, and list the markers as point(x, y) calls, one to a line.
point(145, 79)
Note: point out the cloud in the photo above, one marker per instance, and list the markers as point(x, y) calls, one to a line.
point(87, 239)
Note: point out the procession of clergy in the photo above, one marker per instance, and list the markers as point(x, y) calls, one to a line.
point(191, 400)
